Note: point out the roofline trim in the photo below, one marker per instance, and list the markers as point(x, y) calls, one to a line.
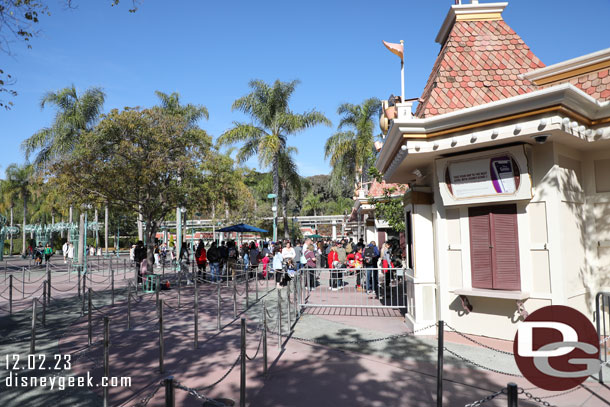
point(572, 67)
point(468, 11)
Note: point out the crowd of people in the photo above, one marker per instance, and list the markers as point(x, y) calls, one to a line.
point(283, 259)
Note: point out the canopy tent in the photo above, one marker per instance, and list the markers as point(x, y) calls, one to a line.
point(242, 227)
point(316, 236)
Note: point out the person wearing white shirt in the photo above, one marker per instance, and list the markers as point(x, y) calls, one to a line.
point(64, 251)
point(288, 252)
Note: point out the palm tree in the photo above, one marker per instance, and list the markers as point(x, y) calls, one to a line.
point(75, 114)
point(9, 197)
point(289, 180)
point(312, 203)
point(21, 183)
point(351, 148)
point(272, 123)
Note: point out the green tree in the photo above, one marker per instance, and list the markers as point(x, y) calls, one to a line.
point(351, 148)
point(146, 161)
point(272, 122)
point(312, 204)
point(290, 181)
point(75, 115)
point(22, 183)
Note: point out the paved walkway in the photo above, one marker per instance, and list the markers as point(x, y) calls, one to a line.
point(380, 365)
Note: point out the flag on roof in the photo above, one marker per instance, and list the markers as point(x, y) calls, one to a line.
point(396, 49)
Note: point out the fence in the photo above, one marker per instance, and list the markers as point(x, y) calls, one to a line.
point(237, 282)
point(602, 303)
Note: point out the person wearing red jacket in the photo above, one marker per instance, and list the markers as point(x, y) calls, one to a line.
point(200, 256)
point(333, 264)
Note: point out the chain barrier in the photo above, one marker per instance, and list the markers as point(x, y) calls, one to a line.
point(479, 365)
point(145, 400)
point(195, 393)
point(65, 291)
point(488, 398)
point(477, 342)
point(44, 275)
point(260, 341)
point(534, 398)
point(28, 295)
point(222, 378)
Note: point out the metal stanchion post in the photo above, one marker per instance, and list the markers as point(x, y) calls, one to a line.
point(161, 342)
point(218, 305)
point(512, 394)
point(179, 285)
point(264, 319)
point(89, 326)
point(296, 296)
point(169, 392)
point(78, 271)
point(196, 314)
point(112, 285)
point(44, 303)
point(106, 356)
point(84, 290)
point(33, 333)
point(256, 282)
point(242, 378)
point(10, 294)
point(234, 298)
point(288, 306)
point(247, 292)
point(129, 306)
point(279, 319)
point(23, 283)
point(163, 267)
point(439, 364)
point(124, 268)
point(157, 288)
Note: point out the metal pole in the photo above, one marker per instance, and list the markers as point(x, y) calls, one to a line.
point(161, 342)
point(242, 379)
point(33, 333)
point(106, 356)
point(279, 319)
point(49, 283)
point(169, 392)
point(296, 296)
point(288, 301)
point(218, 305)
point(78, 271)
point(264, 338)
point(112, 284)
point(128, 306)
point(84, 289)
point(179, 285)
point(196, 314)
point(513, 399)
point(439, 364)
point(90, 328)
point(10, 294)
point(256, 282)
point(599, 315)
point(124, 268)
point(247, 293)
point(23, 283)
point(156, 280)
point(234, 298)
point(44, 303)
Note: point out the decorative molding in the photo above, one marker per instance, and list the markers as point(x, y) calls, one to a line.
point(570, 68)
point(469, 11)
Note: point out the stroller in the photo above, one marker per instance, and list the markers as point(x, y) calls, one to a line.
point(38, 256)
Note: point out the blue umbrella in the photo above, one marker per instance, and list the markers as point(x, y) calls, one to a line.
point(242, 227)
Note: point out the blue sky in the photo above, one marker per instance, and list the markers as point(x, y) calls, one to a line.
point(208, 51)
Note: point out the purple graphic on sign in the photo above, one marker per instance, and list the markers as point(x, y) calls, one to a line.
point(502, 175)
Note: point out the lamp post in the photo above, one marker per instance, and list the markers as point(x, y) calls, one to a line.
point(86, 207)
point(274, 209)
point(179, 212)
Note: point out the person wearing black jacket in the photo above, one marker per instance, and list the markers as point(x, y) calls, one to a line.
point(214, 260)
point(139, 254)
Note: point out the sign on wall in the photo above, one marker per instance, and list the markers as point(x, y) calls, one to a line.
point(490, 176)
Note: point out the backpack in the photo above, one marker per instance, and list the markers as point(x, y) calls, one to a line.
point(232, 252)
point(348, 248)
point(369, 254)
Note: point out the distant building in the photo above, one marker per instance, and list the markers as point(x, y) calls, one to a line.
point(508, 164)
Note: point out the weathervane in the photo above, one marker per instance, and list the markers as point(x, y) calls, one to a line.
point(398, 49)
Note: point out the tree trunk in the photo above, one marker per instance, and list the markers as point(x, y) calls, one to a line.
point(82, 238)
point(70, 215)
point(11, 245)
point(106, 229)
point(276, 190)
point(97, 235)
point(285, 212)
point(140, 224)
point(25, 210)
point(151, 231)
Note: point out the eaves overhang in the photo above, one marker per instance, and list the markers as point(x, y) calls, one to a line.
point(564, 99)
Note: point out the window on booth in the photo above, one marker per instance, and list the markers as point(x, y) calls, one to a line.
point(494, 247)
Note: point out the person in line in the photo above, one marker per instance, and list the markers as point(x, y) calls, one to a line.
point(386, 264)
point(298, 252)
point(213, 256)
point(139, 255)
point(70, 252)
point(371, 253)
point(310, 265)
point(278, 265)
point(333, 263)
point(288, 252)
point(201, 258)
point(254, 256)
point(64, 251)
point(48, 252)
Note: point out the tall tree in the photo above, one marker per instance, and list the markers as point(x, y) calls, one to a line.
point(145, 161)
point(351, 148)
point(9, 197)
point(289, 181)
point(75, 115)
point(272, 122)
point(22, 183)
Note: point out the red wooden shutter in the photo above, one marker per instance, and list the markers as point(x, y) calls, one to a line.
point(480, 247)
point(505, 255)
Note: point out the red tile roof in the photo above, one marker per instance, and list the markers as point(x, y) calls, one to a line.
point(479, 63)
point(376, 189)
point(596, 84)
